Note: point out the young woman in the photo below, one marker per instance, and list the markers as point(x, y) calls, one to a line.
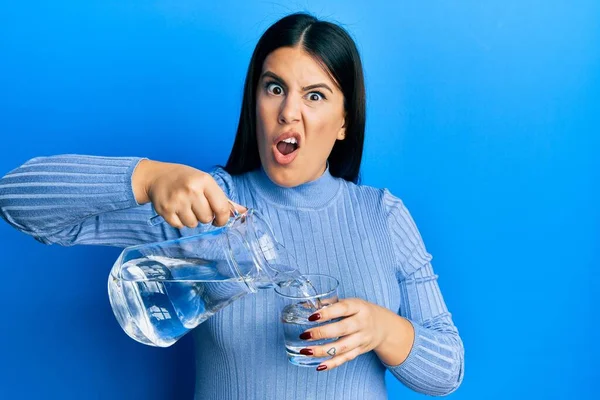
point(296, 158)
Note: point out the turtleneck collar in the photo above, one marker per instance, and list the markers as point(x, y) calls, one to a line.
point(312, 195)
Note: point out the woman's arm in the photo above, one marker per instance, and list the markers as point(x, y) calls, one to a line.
point(419, 344)
point(76, 199)
point(435, 363)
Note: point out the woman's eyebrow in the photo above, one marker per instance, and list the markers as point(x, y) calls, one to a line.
point(317, 85)
point(269, 74)
point(280, 80)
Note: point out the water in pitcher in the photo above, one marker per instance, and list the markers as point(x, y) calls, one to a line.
point(161, 298)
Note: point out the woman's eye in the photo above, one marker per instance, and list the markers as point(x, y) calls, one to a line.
point(274, 89)
point(315, 96)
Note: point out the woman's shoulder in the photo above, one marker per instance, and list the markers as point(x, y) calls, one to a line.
point(231, 184)
point(380, 199)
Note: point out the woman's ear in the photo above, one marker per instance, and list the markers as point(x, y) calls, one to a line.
point(342, 132)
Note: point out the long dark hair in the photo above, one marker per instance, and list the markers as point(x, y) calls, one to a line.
point(333, 48)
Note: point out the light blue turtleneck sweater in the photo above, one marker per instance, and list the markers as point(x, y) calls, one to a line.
point(363, 236)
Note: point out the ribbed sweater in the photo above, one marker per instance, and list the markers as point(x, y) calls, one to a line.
point(363, 236)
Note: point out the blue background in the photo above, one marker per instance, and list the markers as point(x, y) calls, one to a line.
point(482, 116)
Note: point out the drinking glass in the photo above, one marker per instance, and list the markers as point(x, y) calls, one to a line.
point(299, 300)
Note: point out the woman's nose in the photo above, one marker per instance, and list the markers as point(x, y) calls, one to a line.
point(290, 110)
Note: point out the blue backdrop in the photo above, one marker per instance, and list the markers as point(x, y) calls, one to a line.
point(482, 116)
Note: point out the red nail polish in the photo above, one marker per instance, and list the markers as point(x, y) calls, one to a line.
point(305, 335)
point(321, 367)
point(306, 352)
point(315, 317)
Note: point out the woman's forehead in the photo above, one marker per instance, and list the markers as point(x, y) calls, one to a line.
point(295, 65)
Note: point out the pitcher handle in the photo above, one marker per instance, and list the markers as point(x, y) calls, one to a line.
point(157, 219)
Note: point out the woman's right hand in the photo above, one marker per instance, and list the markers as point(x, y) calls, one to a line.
point(182, 195)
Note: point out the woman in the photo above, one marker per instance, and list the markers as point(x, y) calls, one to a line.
point(296, 158)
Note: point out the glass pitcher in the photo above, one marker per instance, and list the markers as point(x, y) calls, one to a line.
point(160, 291)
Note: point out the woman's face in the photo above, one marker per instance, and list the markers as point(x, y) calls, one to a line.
point(299, 114)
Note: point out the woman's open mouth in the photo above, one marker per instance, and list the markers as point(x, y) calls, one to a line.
point(286, 148)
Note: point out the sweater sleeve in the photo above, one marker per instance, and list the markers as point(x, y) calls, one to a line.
point(435, 364)
point(77, 199)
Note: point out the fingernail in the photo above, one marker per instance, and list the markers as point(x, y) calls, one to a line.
point(321, 367)
point(315, 317)
point(306, 352)
point(305, 335)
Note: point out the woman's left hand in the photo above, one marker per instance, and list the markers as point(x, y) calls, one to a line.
point(362, 329)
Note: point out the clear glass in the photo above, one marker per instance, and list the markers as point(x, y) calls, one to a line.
point(160, 291)
point(296, 305)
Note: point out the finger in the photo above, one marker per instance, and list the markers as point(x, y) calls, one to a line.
point(343, 308)
point(188, 218)
point(338, 360)
point(219, 203)
point(343, 327)
point(202, 210)
point(335, 348)
point(222, 215)
point(173, 220)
